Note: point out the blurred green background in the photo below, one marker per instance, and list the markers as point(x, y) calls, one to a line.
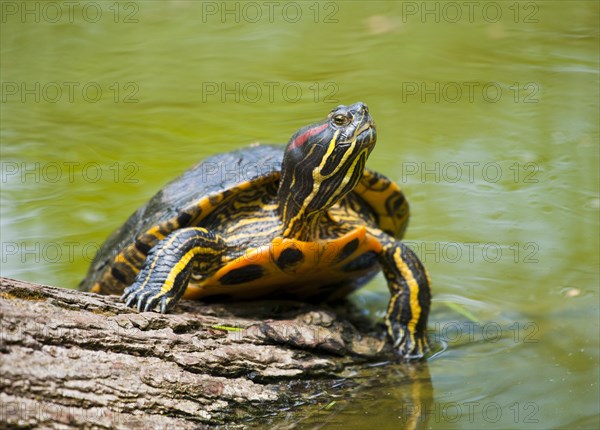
point(487, 115)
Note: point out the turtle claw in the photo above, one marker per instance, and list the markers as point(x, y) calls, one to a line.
point(143, 303)
point(130, 303)
point(163, 305)
point(151, 303)
point(146, 301)
point(136, 297)
point(408, 349)
point(129, 297)
point(408, 346)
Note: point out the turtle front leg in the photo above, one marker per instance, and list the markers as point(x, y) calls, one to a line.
point(408, 310)
point(168, 268)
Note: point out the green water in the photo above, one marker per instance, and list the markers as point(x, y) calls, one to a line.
point(488, 120)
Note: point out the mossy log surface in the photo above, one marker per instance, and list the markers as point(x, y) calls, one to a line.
point(78, 360)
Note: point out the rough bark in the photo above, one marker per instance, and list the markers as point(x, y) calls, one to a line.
point(74, 359)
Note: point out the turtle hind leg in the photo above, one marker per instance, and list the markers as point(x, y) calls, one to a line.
point(169, 265)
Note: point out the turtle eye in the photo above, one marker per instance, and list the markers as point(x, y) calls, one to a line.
point(340, 119)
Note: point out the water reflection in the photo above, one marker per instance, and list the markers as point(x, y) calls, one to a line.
point(400, 395)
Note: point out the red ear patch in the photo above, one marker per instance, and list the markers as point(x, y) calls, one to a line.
point(302, 138)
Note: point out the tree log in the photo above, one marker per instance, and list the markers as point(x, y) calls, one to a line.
point(74, 359)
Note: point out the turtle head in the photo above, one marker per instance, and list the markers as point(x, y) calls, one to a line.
point(322, 163)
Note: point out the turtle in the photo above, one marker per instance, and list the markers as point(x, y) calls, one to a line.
point(304, 221)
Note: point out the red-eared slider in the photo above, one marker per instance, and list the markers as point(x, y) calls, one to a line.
point(307, 221)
